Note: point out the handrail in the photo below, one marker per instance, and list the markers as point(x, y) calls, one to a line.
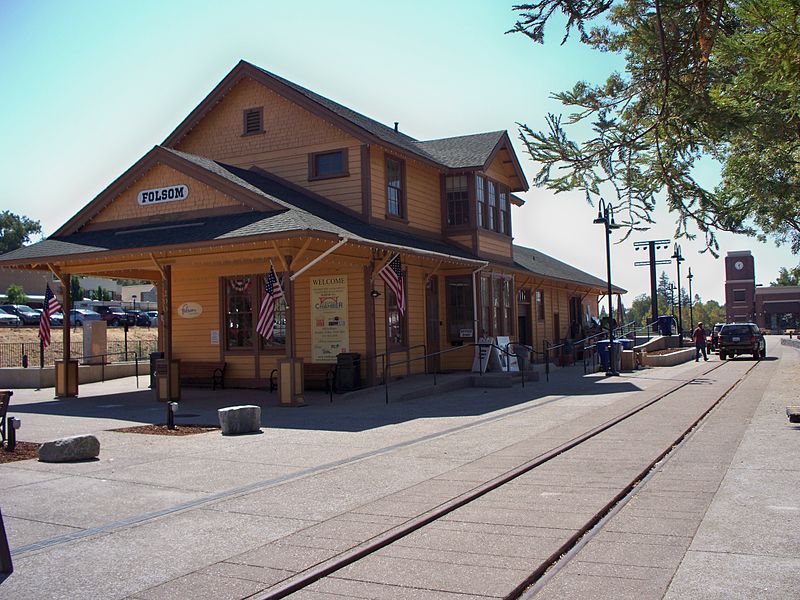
point(104, 362)
point(440, 352)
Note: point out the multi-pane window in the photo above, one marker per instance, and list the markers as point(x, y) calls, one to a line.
point(459, 309)
point(243, 298)
point(394, 188)
point(395, 322)
point(502, 221)
point(239, 313)
point(456, 194)
point(540, 305)
point(739, 295)
point(480, 196)
point(496, 313)
point(491, 194)
point(324, 165)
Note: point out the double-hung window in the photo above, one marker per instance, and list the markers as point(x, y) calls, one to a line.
point(457, 198)
point(480, 197)
point(243, 296)
point(491, 213)
point(395, 188)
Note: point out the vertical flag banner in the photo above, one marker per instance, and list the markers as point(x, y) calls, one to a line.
point(392, 274)
point(50, 307)
point(266, 315)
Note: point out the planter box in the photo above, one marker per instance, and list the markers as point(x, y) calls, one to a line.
point(668, 360)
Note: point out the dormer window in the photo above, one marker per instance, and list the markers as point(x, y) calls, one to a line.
point(253, 120)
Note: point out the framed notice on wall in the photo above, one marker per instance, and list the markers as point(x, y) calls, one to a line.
point(330, 329)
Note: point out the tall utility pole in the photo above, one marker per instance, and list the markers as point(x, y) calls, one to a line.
point(652, 246)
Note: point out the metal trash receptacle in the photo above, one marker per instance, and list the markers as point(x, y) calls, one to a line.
point(348, 371)
point(523, 353)
point(154, 356)
point(602, 350)
point(665, 323)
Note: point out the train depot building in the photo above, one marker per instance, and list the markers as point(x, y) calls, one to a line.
point(267, 173)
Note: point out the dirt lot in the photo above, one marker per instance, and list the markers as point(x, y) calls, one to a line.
point(31, 334)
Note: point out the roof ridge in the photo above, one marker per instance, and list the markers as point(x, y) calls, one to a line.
point(455, 137)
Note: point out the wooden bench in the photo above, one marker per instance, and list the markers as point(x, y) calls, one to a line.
point(205, 372)
point(5, 400)
point(315, 375)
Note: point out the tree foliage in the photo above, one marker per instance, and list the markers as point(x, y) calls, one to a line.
point(703, 79)
point(788, 276)
point(16, 231)
point(15, 294)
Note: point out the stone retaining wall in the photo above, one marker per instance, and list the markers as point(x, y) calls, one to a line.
point(19, 378)
point(668, 360)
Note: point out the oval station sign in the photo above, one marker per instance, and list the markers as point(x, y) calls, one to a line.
point(190, 310)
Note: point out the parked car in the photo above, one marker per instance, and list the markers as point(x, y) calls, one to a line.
point(57, 319)
point(113, 315)
point(138, 317)
point(713, 340)
point(9, 320)
point(27, 315)
point(153, 315)
point(741, 338)
point(77, 316)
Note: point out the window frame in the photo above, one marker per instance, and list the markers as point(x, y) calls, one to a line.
point(255, 294)
point(743, 294)
point(539, 298)
point(463, 201)
point(496, 302)
point(480, 200)
point(313, 172)
point(402, 214)
point(390, 307)
point(253, 110)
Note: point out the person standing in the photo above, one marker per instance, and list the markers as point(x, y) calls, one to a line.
point(699, 337)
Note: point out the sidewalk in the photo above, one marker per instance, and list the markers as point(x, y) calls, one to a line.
point(159, 517)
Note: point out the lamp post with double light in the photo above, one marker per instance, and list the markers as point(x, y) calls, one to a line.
point(691, 300)
point(678, 260)
point(605, 217)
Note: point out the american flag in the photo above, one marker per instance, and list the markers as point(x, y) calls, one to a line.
point(266, 316)
point(392, 274)
point(50, 307)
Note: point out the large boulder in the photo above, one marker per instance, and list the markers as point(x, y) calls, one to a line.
point(68, 449)
point(239, 419)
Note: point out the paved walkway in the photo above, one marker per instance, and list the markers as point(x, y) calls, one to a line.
point(164, 517)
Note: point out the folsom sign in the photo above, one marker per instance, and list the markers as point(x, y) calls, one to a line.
point(166, 194)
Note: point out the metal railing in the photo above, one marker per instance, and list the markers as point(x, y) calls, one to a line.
point(29, 355)
point(102, 364)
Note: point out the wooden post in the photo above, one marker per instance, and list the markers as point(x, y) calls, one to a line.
point(369, 321)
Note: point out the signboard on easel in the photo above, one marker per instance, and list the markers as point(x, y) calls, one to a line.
point(508, 362)
point(487, 357)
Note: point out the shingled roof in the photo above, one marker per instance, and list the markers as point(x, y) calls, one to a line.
point(539, 263)
point(450, 153)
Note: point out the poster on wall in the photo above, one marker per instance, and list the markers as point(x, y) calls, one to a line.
point(330, 330)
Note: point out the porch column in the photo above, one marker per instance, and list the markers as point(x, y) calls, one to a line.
point(66, 369)
point(369, 322)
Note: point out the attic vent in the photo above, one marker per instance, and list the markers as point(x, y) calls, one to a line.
point(253, 120)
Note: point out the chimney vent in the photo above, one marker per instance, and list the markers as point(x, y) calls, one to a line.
point(397, 125)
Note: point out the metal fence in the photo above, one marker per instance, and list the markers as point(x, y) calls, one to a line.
point(19, 354)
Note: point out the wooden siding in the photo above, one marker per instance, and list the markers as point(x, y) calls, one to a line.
point(494, 244)
point(290, 134)
point(423, 192)
point(502, 171)
point(462, 239)
point(126, 206)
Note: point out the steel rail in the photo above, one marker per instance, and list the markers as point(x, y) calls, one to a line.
point(305, 578)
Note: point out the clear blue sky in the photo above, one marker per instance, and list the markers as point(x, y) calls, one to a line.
point(90, 86)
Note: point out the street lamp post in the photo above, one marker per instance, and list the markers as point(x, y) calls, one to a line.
point(605, 217)
point(678, 260)
point(691, 299)
point(133, 297)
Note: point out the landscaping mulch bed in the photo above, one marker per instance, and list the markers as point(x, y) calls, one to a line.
point(162, 429)
point(23, 451)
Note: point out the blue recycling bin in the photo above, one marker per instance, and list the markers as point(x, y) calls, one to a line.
point(602, 350)
point(626, 343)
point(665, 324)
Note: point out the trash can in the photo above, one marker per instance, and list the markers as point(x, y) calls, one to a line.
point(665, 323)
point(626, 343)
point(602, 350)
point(154, 356)
point(348, 371)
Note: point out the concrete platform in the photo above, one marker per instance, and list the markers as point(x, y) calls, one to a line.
point(207, 516)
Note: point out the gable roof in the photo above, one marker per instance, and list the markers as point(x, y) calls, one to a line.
point(447, 153)
point(539, 263)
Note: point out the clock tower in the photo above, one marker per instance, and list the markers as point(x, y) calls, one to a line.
point(740, 286)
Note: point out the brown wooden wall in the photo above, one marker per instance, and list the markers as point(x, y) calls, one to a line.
point(126, 207)
point(290, 134)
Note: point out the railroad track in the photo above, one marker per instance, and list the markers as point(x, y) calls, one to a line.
point(526, 585)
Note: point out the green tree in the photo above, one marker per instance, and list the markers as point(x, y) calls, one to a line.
point(788, 276)
point(100, 293)
point(708, 79)
point(16, 231)
point(76, 293)
point(15, 294)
